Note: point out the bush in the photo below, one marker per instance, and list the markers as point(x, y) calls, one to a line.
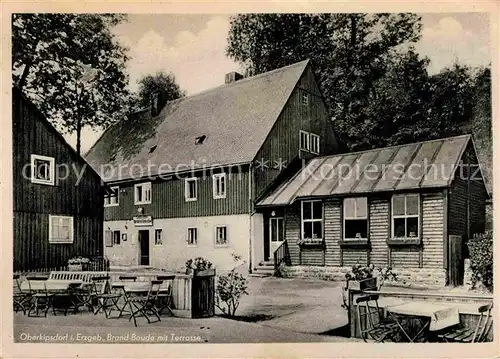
point(230, 288)
point(199, 263)
point(481, 259)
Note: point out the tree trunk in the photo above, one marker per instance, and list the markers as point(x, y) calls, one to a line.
point(78, 135)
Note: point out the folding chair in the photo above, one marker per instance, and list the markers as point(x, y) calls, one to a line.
point(20, 299)
point(370, 323)
point(41, 298)
point(101, 298)
point(164, 300)
point(462, 334)
point(140, 306)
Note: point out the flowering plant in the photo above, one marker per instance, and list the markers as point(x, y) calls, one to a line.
point(199, 263)
point(78, 260)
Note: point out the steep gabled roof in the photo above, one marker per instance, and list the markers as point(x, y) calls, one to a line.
point(429, 164)
point(235, 119)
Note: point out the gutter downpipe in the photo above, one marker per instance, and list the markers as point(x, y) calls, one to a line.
point(250, 210)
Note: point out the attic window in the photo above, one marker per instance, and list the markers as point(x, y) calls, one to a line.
point(112, 157)
point(152, 148)
point(199, 140)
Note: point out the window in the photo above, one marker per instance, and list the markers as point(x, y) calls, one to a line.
point(42, 169)
point(276, 229)
point(405, 215)
point(314, 143)
point(356, 218)
point(116, 237)
point(305, 99)
point(60, 229)
point(221, 236)
point(112, 199)
point(143, 193)
point(108, 238)
point(304, 140)
point(192, 239)
point(219, 183)
point(191, 189)
point(158, 237)
point(312, 220)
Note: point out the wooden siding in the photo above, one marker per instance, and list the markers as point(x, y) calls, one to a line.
point(333, 232)
point(432, 230)
point(168, 199)
point(467, 196)
point(379, 231)
point(405, 257)
point(352, 257)
point(32, 203)
point(282, 143)
point(312, 256)
point(292, 232)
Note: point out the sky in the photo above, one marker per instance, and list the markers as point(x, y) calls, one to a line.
point(193, 46)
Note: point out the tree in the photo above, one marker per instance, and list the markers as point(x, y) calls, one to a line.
point(72, 67)
point(161, 81)
point(350, 54)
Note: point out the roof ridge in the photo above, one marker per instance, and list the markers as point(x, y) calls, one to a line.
point(238, 82)
point(394, 146)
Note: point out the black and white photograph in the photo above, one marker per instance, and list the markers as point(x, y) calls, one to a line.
point(251, 177)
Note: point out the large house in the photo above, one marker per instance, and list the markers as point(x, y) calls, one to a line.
point(186, 173)
point(58, 197)
point(409, 207)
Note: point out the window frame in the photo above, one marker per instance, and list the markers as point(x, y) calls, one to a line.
point(217, 227)
point(308, 140)
point(217, 177)
point(305, 99)
point(188, 234)
point(186, 189)
point(119, 237)
point(52, 169)
point(312, 137)
point(312, 220)
point(160, 231)
point(345, 217)
point(146, 186)
point(108, 243)
point(116, 196)
point(72, 227)
point(282, 236)
point(406, 216)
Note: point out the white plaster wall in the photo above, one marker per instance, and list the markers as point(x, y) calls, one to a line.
point(257, 223)
point(174, 251)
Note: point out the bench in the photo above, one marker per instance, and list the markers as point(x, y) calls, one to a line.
point(84, 276)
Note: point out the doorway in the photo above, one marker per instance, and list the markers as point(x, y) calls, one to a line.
point(144, 248)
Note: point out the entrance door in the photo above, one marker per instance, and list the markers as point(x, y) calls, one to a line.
point(144, 248)
point(276, 233)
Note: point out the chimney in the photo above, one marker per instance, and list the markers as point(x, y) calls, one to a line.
point(233, 77)
point(158, 101)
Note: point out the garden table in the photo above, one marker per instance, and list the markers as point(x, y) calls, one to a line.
point(49, 285)
point(431, 316)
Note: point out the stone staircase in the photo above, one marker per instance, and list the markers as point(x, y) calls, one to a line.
point(264, 269)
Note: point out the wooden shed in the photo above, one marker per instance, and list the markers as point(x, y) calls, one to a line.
point(408, 207)
point(58, 197)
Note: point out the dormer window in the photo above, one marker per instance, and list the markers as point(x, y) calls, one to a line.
point(152, 148)
point(305, 99)
point(199, 140)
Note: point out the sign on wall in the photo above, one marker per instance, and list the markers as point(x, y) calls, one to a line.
point(143, 221)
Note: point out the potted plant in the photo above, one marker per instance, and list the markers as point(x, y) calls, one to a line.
point(78, 263)
point(366, 278)
point(199, 267)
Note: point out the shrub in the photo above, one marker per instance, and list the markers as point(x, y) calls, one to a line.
point(230, 288)
point(199, 263)
point(481, 259)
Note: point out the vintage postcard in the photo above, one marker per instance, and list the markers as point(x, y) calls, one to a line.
point(291, 179)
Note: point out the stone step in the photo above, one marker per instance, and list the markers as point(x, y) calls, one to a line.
point(266, 264)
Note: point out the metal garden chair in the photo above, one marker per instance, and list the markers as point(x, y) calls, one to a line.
point(164, 299)
point(101, 298)
point(41, 299)
point(21, 300)
point(144, 306)
point(462, 334)
point(370, 323)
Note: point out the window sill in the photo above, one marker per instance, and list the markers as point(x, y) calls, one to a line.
point(318, 242)
point(354, 243)
point(403, 242)
point(44, 182)
point(141, 203)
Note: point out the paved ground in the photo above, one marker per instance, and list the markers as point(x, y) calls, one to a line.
point(301, 305)
point(294, 310)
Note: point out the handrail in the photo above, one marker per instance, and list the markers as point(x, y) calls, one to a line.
point(282, 255)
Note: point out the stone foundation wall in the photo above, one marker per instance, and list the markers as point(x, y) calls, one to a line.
point(408, 277)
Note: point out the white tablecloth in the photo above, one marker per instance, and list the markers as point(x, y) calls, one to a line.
point(441, 315)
